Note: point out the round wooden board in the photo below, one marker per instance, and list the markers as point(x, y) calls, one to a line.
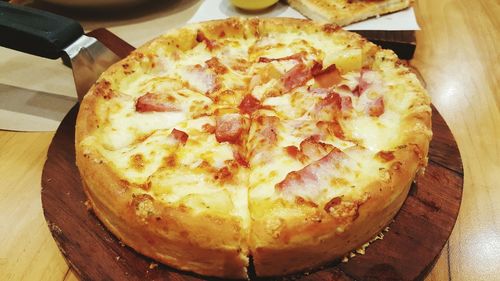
point(407, 252)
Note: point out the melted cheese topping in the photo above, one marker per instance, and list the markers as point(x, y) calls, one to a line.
point(362, 113)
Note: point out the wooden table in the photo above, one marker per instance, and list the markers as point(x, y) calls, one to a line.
point(457, 55)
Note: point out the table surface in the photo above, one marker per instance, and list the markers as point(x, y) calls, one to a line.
point(457, 55)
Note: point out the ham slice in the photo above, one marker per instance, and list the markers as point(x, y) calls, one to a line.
point(249, 104)
point(376, 108)
point(180, 136)
point(229, 128)
point(363, 83)
point(153, 102)
point(311, 149)
point(328, 77)
point(329, 128)
point(296, 77)
point(308, 182)
point(332, 107)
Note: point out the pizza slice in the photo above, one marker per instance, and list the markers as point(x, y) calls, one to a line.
point(174, 190)
point(172, 167)
point(312, 196)
point(344, 12)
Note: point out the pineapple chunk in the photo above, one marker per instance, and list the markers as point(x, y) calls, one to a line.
point(346, 61)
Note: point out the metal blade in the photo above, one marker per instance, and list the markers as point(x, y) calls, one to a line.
point(89, 58)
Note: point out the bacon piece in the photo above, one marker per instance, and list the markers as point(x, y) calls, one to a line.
point(331, 128)
point(316, 68)
point(386, 155)
point(308, 179)
point(216, 66)
point(300, 178)
point(293, 151)
point(333, 99)
point(329, 108)
point(268, 126)
point(338, 102)
point(328, 77)
point(156, 102)
point(249, 104)
point(229, 128)
point(362, 84)
point(313, 149)
point(201, 37)
point(298, 57)
point(296, 77)
point(180, 136)
point(332, 107)
point(376, 108)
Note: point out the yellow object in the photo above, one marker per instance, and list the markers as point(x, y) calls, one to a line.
point(253, 4)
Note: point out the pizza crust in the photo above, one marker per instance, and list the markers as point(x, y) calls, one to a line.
point(283, 234)
point(344, 12)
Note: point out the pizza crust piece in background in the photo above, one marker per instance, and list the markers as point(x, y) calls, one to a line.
point(344, 12)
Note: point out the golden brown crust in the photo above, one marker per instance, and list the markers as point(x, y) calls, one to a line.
point(344, 12)
point(283, 235)
point(312, 237)
point(174, 235)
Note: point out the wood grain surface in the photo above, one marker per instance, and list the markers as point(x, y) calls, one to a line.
point(457, 54)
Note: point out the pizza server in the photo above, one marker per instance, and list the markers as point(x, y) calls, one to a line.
point(52, 36)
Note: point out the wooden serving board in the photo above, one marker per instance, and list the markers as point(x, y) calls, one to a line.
point(407, 252)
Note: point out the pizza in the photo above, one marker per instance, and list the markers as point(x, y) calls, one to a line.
point(284, 140)
point(344, 12)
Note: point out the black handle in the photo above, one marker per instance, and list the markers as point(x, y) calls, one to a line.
point(36, 32)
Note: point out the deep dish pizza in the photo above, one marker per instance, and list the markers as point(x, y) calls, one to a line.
point(280, 139)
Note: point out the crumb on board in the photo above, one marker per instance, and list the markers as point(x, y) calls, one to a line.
point(55, 228)
point(362, 250)
point(88, 205)
point(153, 265)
